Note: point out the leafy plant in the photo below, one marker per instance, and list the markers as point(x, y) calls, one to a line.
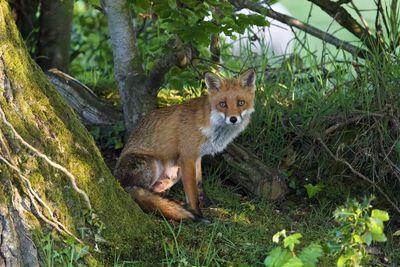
point(70, 254)
point(111, 138)
point(358, 228)
point(288, 257)
point(312, 190)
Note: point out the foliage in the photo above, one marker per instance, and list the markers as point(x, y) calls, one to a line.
point(312, 190)
point(91, 54)
point(288, 257)
point(357, 229)
point(70, 254)
point(109, 138)
point(158, 25)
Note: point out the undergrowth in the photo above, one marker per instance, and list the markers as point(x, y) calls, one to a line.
point(331, 124)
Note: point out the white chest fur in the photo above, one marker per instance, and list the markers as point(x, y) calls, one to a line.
point(220, 134)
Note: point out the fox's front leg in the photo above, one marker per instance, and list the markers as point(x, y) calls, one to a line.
point(189, 184)
point(203, 199)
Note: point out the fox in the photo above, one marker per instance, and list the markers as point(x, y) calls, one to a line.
point(168, 144)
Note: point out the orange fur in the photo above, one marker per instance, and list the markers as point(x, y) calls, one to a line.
point(169, 142)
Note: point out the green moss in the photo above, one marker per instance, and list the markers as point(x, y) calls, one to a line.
point(42, 117)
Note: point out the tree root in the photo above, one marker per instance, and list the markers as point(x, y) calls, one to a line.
point(49, 161)
point(34, 198)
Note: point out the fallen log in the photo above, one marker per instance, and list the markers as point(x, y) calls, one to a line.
point(257, 179)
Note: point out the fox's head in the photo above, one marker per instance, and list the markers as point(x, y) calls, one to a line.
point(232, 100)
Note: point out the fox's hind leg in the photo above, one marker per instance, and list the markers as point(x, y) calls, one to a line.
point(134, 170)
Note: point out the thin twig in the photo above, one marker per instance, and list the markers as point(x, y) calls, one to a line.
point(366, 26)
point(49, 161)
point(343, 123)
point(357, 173)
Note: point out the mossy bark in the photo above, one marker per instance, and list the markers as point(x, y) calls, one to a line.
point(40, 115)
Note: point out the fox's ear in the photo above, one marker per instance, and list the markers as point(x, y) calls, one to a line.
point(248, 78)
point(213, 81)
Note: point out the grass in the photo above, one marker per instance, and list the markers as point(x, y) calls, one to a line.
point(297, 101)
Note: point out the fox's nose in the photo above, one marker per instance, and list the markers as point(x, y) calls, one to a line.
point(233, 120)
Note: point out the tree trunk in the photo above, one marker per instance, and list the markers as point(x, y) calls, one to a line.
point(25, 15)
point(129, 72)
point(55, 34)
point(52, 175)
point(138, 89)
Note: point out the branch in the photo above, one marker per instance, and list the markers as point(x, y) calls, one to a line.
point(344, 18)
point(288, 20)
point(180, 55)
point(89, 107)
point(357, 173)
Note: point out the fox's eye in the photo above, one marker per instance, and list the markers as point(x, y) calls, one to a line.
point(222, 104)
point(240, 103)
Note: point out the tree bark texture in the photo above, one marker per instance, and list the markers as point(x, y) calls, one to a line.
point(55, 34)
point(138, 89)
point(52, 175)
point(129, 72)
point(256, 178)
point(25, 15)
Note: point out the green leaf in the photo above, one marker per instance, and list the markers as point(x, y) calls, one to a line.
point(380, 214)
point(292, 240)
point(172, 4)
point(276, 237)
point(293, 262)
point(277, 257)
point(342, 260)
point(397, 233)
point(312, 190)
point(375, 226)
point(379, 237)
point(310, 254)
point(367, 238)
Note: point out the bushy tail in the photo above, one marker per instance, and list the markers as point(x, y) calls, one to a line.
point(150, 202)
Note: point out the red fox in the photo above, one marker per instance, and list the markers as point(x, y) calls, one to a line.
point(169, 142)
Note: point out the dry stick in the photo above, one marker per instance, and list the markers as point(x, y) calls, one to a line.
point(343, 123)
point(32, 195)
point(49, 161)
point(361, 17)
point(362, 176)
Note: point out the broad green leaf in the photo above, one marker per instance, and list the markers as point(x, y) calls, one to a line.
point(397, 233)
point(277, 257)
point(380, 214)
point(312, 190)
point(293, 262)
point(379, 237)
point(292, 240)
point(375, 226)
point(310, 254)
